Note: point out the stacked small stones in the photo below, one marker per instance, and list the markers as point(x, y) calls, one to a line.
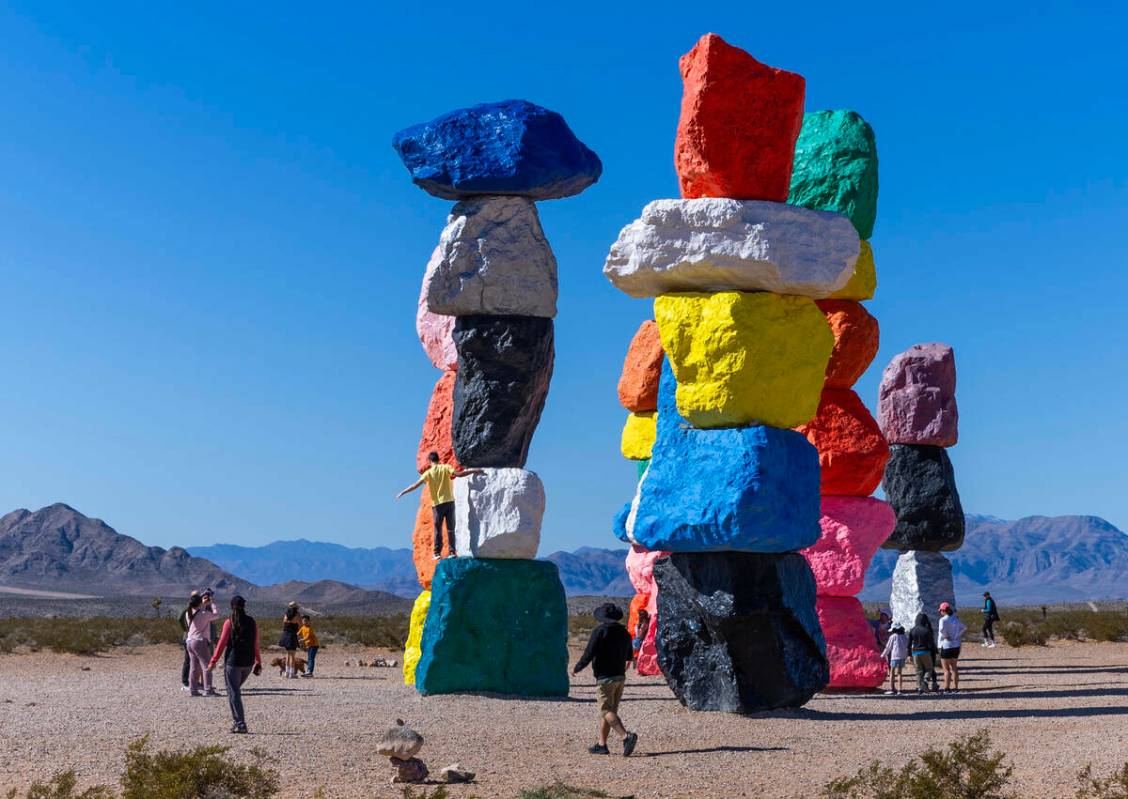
point(836, 170)
point(493, 619)
point(917, 412)
point(731, 490)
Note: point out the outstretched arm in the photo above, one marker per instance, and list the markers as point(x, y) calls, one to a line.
point(410, 488)
point(469, 472)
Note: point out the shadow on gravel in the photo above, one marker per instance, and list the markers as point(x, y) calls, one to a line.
point(713, 749)
point(954, 713)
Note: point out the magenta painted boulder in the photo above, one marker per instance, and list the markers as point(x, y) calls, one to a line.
point(640, 569)
point(853, 528)
point(917, 399)
point(647, 662)
point(851, 649)
point(435, 329)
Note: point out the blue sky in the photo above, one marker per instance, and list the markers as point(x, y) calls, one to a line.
point(210, 254)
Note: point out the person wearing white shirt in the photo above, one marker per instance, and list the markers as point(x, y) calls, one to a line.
point(948, 639)
point(895, 652)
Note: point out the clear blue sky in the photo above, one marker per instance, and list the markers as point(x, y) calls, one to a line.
point(210, 254)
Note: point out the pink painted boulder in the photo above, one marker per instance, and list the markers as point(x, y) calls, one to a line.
point(851, 648)
point(435, 329)
point(917, 399)
point(640, 569)
point(647, 662)
point(853, 528)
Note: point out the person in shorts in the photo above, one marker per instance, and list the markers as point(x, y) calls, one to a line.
point(438, 478)
point(895, 652)
point(948, 639)
point(609, 651)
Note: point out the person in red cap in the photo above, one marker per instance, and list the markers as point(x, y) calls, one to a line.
point(948, 639)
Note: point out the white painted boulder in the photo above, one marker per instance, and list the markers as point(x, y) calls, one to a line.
point(717, 244)
point(498, 514)
point(494, 260)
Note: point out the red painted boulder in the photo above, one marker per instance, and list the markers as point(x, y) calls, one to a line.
point(856, 339)
point(435, 329)
point(638, 384)
point(738, 126)
point(436, 427)
point(917, 399)
point(852, 450)
point(853, 528)
point(423, 541)
point(851, 648)
point(647, 662)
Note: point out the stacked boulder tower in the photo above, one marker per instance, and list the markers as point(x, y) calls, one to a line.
point(494, 618)
point(732, 486)
point(918, 414)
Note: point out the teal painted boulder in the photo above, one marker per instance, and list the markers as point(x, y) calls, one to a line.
point(836, 167)
point(495, 626)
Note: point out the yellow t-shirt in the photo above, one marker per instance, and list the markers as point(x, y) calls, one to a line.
point(307, 637)
point(438, 483)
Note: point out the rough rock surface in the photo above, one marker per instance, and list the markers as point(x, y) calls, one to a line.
point(408, 772)
point(423, 541)
point(917, 398)
point(863, 282)
point(495, 625)
point(504, 368)
point(642, 368)
point(720, 244)
point(856, 339)
point(744, 488)
point(836, 167)
point(498, 514)
point(640, 568)
point(852, 450)
point(646, 663)
point(745, 358)
point(921, 581)
point(739, 121)
point(511, 147)
point(921, 486)
point(851, 649)
point(638, 436)
point(435, 329)
point(638, 602)
point(738, 631)
point(853, 528)
point(399, 742)
point(412, 649)
point(436, 427)
point(495, 260)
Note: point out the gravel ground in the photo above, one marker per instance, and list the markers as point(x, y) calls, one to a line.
point(1052, 709)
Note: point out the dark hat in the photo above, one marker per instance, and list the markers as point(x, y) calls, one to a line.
point(986, 593)
point(608, 612)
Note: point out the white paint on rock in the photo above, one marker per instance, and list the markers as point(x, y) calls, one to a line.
point(498, 514)
point(921, 581)
point(494, 260)
point(718, 244)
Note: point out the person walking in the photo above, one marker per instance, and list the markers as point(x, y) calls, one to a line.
point(990, 616)
point(951, 631)
point(291, 623)
point(895, 653)
point(609, 651)
point(239, 644)
point(186, 666)
point(200, 614)
point(921, 645)
point(438, 479)
point(308, 639)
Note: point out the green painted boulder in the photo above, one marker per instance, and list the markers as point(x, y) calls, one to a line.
point(495, 626)
point(836, 167)
point(642, 467)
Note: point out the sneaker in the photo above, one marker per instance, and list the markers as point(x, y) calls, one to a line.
point(212, 692)
point(436, 557)
point(194, 693)
point(599, 749)
point(629, 743)
point(237, 730)
point(185, 689)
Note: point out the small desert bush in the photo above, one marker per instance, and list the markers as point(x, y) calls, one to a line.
point(85, 636)
point(1016, 633)
point(61, 786)
point(561, 791)
point(388, 632)
point(581, 626)
point(1115, 786)
point(966, 769)
point(1022, 626)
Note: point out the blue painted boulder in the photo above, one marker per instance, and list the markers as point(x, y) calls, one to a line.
point(495, 626)
point(754, 489)
point(512, 147)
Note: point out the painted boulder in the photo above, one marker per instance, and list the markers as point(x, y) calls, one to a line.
point(853, 529)
point(851, 648)
point(640, 568)
point(512, 147)
point(921, 581)
point(413, 649)
point(646, 664)
point(435, 329)
point(423, 541)
point(920, 484)
point(498, 514)
point(856, 340)
point(498, 626)
point(638, 436)
point(642, 368)
point(917, 398)
point(436, 427)
point(862, 284)
point(852, 450)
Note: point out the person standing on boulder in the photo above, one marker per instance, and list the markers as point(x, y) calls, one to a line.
point(990, 616)
point(609, 651)
point(438, 479)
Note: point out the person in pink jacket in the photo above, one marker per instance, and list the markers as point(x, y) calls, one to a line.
point(239, 642)
point(201, 613)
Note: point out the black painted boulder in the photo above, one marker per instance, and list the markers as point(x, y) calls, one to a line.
point(920, 485)
point(504, 368)
point(738, 631)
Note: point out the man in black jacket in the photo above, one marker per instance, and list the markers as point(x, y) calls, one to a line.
point(609, 651)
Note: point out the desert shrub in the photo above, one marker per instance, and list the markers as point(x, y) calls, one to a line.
point(581, 626)
point(388, 632)
point(196, 774)
point(1015, 633)
point(966, 769)
point(561, 791)
point(85, 636)
point(61, 786)
point(1114, 786)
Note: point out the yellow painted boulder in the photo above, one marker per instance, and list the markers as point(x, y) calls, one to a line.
point(638, 435)
point(863, 283)
point(745, 358)
point(413, 650)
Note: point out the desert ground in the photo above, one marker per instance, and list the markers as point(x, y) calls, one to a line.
point(1052, 709)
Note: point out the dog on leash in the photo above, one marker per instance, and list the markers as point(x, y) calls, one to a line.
point(280, 664)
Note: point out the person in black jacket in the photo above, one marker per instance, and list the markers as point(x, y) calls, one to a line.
point(922, 649)
point(609, 651)
point(990, 616)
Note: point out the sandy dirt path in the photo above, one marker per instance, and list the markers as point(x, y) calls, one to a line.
point(1052, 709)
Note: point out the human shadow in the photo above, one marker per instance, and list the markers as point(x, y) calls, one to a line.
point(713, 749)
point(956, 713)
point(278, 691)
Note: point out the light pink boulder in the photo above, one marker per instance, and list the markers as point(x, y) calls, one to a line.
point(435, 329)
point(851, 648)
point(853, 528)
point(917, 398)
point(640, 570)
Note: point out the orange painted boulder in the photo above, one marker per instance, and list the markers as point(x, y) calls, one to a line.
point(436, 427)
point(852, 450)
point(856, 338)
point(640, 602)
point(423, 541)
point(851, 648)
point(638, 384)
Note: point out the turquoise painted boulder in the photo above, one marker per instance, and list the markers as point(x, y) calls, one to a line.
point(495, 626)
point(836, 167)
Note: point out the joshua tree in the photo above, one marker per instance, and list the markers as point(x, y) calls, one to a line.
point(156, 603)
